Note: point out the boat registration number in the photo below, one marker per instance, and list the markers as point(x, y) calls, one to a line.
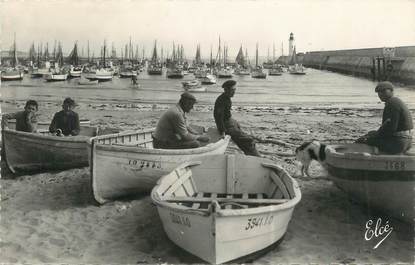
point(394, 165)
point(181, 220)
point(259, 221)
point(144, 163)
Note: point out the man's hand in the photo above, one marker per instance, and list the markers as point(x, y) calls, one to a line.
point(203, 138)
point(31, 117)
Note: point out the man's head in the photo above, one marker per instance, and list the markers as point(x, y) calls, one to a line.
point(68, 104)
point(187, 101)
point(384, 90)
point(229, 87)
point(31, 106)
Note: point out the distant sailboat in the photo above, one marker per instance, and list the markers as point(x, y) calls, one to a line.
point(175, 69)
point(57, 73)
point(222, 71)
point(102, 74)
point(295, 68)
point(12, 73)
point(242, 67)
point(75, 70)
point(257, 72)
point(155, 67)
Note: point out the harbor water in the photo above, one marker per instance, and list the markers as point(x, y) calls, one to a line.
point(316, 89)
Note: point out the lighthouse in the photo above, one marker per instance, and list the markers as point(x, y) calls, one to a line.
point(291, 44)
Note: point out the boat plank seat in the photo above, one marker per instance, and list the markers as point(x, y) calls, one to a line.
point(180, 199)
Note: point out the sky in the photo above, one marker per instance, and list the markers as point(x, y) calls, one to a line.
point(316, 24)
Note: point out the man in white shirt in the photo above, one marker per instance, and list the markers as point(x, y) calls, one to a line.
point(172, 131)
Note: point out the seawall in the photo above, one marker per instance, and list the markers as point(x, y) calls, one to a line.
point(396, 64)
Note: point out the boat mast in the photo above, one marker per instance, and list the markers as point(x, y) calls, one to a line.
point(14, 51)
point(256, 55)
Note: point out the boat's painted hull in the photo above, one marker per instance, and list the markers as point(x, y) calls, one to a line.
point(218, 234)
point(89, 82)
point(155, 72)
point(218, 239)
point(196, 89)
point(259, 76)
point(126, 74)
point(75, 74)
point(120, 170)
point(40, 152)
point(382, 182)
point(56, 77)
point(11, 76)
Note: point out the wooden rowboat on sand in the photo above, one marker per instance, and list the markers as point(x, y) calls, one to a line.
point(380, 181)
point(126, 163)
point(224, 207)
point(43, 151)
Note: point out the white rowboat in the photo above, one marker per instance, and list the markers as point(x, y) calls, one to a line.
point(224, 207)
point(126, 164)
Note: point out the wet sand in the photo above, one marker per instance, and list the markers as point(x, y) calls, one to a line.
point(53, 218)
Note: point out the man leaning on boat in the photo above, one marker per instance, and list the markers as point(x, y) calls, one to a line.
point(26, 120)
point(172, 131)
point(395, 134)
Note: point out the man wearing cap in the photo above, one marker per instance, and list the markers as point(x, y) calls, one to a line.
point(172, 131)
point(226, 125)
point(66, 121)
point(395, 134)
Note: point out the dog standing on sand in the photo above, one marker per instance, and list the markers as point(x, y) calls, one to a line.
point(308, 152)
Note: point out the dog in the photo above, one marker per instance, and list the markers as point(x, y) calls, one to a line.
point(308, 152)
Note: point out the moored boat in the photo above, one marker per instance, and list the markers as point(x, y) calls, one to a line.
point(224, 73)
point(191, 84)
point(43, 151)
point(126, 163)
point(380, 181)
point(53, 77)
point(11, 74)
point(208, 80)
point(224, 207)
point(86, 82)
point(174, 73)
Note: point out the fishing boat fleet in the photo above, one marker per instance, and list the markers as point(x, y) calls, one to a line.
point(55, 67)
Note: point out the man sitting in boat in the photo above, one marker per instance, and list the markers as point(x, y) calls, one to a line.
point(395, 134)
point(66, 121)
point(226, 125)
point(26, 120)
point(172, 131)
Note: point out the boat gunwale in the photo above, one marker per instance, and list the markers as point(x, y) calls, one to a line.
point(289, 205)
point(51, 138)
point(138, 149)
point(342, 160)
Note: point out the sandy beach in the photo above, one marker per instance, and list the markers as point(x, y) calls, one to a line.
point(53, 218)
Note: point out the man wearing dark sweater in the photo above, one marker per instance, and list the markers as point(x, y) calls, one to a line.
point(395, 134)
point(66, 121)
point(226, 125)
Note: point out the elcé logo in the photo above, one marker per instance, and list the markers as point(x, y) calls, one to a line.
point(382, 231)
